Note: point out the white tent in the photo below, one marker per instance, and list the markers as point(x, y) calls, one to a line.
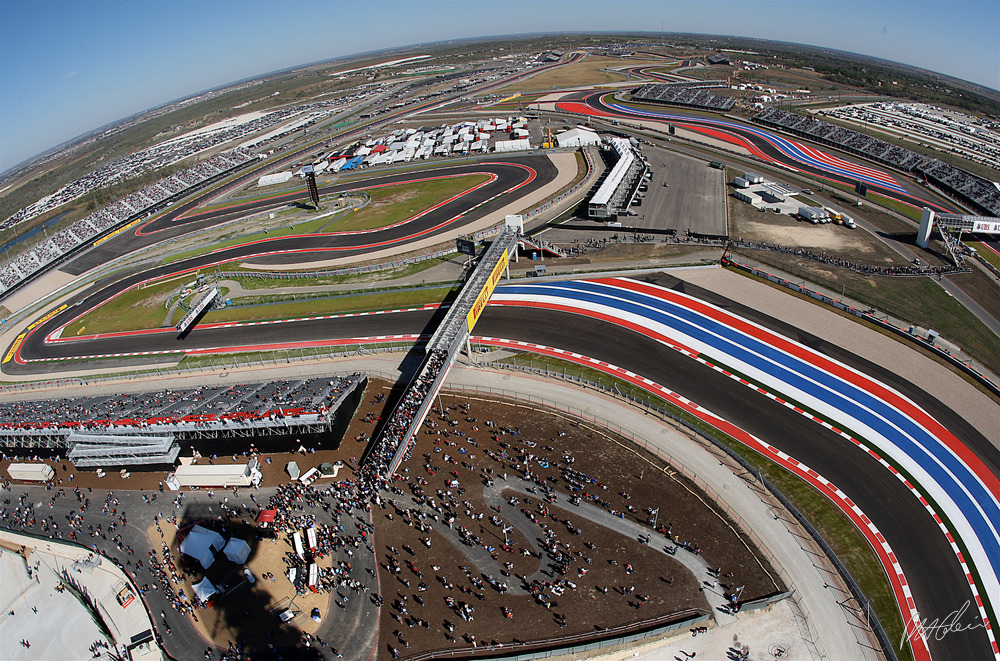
point(204, 590)
point(577, 137)
point(237, 550)
point(201, 544)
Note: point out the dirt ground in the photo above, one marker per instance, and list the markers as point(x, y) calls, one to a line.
point(623, 582)
point(245, 613)
point(606, 595)
point(750, 224)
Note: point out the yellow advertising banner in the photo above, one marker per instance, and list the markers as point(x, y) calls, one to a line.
point(118, 231)
point(41, 321)
point(487, 291)
point(14, 347)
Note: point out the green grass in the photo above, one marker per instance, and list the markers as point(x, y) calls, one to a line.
point(311, 226)
point(139, 309)
point(134, 309)
point(834, 526)
point(387, 300)
point(394, 204)
point(985, 253)
point(252, 283)
point(844, 537)
point(388, 205)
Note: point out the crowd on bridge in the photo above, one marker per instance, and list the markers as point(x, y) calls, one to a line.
point(391, 444)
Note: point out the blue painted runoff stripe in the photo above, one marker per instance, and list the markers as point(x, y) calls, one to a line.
point(854, 402)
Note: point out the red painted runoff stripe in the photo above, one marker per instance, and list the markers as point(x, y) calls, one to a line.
point(781, 343)
point(886, 557)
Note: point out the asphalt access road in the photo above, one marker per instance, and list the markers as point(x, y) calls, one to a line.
point(510, 172)
point(347, 629)
point(937, 582)
point(915, 196)
point(694, 200)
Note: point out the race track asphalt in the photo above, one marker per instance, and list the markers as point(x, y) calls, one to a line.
point(510, 172)
point(936, 579)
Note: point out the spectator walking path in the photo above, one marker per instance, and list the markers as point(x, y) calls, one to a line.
point(828, 627)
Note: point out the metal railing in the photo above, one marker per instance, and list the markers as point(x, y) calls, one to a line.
point(721, 441)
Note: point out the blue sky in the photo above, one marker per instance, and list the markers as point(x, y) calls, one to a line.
point(69, 67)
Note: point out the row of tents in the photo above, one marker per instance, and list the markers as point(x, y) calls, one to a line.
point(410, 144)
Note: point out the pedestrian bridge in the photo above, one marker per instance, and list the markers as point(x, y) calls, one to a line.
point(387, 452)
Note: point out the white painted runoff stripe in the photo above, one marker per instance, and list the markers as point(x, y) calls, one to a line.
point(841, 500)
point(551, 296)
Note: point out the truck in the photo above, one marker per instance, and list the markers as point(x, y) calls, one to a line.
point(31, 472)
point(226, 475)
point(834, 215)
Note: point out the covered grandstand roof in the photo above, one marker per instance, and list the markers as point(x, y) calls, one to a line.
point(618, 172)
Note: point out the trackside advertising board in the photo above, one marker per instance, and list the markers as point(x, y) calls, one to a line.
point(986, 226)
point(487, 291)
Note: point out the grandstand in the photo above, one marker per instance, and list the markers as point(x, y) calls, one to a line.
point(616, 190)
point(689, 94)
point(150, 199)
point(144, 428)
point(975, 191)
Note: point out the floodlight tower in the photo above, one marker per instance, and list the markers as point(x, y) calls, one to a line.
point(311, 181)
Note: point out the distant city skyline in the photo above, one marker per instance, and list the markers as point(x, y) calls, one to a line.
point(67, 68)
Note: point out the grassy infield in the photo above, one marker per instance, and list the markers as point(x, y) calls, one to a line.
point(388, 206)
point(146, 309)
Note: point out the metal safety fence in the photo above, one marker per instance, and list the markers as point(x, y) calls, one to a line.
point(722, 442)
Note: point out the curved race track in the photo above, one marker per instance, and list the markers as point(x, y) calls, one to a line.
point(938, 585)
point(767, 145)
point(937, 581)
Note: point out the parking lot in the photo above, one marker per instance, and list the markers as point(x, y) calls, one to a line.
point(693, 200)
